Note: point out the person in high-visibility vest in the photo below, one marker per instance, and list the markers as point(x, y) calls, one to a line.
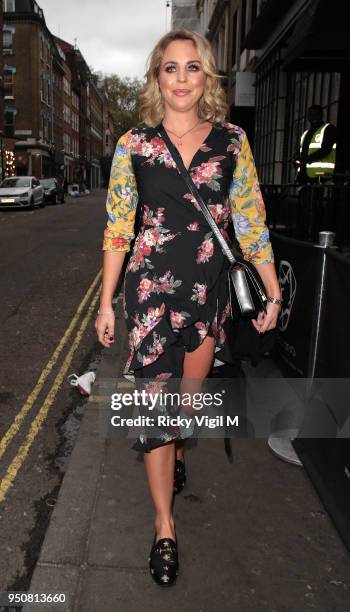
point(317, 151)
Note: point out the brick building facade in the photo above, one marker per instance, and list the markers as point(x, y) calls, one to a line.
point(57, 75)
point(96, 98)
point(53, 108)
point(70, 108)
point(2, 93)
point(109, 137)
point(28, 52)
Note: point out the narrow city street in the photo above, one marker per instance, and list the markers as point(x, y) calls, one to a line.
point(50, 264)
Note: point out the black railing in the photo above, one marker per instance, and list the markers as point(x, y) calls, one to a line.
point(302, 211)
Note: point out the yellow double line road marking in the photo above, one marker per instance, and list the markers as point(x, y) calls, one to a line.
point(17, 462)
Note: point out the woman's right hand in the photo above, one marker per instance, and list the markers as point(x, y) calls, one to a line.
point(105, 328)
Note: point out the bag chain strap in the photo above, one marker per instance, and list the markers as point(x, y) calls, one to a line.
point(190, 184)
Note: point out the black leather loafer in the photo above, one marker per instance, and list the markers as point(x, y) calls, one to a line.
point(163, 561)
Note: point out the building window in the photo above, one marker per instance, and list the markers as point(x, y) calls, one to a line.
point(9, 6)
point(44, 89)
point(9, 72)
point(270, 115)
point(66, 143)
point(243, 23)
point(66, 113)
point(10, 122)
point(48, 54)
point(45, 128)
point(66, 86)
point(75, 100)
point(75, 145)
point(57, 81)
point(221, 53)
point(305, 89)
point(234, 41)
point(8, 33)
point(75, 122)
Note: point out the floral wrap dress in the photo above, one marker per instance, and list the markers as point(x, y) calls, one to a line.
point(176, 289)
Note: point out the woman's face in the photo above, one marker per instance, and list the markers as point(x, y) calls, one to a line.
point(181, 76)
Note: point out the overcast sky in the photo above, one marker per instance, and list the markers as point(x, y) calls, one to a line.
point(114, 36)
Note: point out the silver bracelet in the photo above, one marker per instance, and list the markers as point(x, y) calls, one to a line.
point(103, 312)
point(275, 300)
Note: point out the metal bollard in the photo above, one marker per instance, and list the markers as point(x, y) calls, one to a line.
point(326, 239)
point(280, 442)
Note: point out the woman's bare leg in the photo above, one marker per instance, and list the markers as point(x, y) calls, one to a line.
point(160, 462)
point(197, 366)
point(198, 363)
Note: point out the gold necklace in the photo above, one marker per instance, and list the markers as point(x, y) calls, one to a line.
point(180, 137)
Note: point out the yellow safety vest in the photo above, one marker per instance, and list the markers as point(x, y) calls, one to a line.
point(326, 164)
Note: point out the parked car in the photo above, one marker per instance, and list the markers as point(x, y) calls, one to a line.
point(53, 190)
point(21, 192)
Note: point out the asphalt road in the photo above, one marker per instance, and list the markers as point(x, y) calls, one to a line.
point(50, 265)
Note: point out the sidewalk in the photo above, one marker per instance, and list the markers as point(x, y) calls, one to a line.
point(253, 536)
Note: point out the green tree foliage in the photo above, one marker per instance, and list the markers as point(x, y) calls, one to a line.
point(123, 101)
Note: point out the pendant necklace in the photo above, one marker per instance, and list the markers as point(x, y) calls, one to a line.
point(180, 137)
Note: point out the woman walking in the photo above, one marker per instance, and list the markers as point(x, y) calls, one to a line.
point(176, 291)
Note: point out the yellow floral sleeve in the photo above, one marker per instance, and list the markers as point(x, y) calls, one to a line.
point(122, 198)
point(248, 208)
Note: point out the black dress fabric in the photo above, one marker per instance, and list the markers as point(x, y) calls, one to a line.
point(176, 289)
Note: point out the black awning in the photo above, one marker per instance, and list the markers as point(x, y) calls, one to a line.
point(320, 38)
point(24, 145)
point(266, 22)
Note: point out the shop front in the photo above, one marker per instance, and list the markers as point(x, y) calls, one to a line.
point(33, 159)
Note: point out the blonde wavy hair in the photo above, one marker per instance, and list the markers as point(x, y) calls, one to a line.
point(212, 105)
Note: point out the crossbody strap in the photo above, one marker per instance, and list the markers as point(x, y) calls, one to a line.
point(192, 187)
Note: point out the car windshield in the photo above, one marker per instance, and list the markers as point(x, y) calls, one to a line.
point(47, 182)
point(16, 182)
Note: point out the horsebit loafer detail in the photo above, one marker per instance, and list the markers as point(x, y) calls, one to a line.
point(179, 476)
point(163, 561)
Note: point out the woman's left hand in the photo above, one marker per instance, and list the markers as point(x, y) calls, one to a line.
point(268, 320)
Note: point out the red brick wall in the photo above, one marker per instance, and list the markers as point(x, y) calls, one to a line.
point(27, 80)
point(1, 71)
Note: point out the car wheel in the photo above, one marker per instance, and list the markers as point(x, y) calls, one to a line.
point(63, 199)
point(54, 199)
point(42, 203)
point(31, 203)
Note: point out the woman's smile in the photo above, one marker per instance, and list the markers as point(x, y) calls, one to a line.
point(181, 92)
